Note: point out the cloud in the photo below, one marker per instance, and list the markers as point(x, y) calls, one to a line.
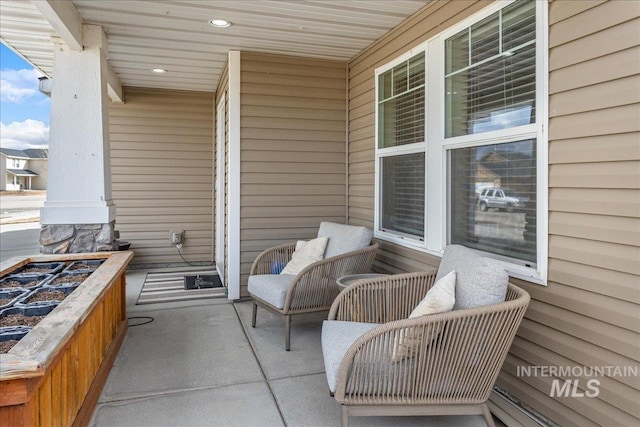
point(27, 134)
point(18, 85)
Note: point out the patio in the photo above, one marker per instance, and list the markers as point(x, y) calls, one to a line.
point(202, 364)
point(248, 135)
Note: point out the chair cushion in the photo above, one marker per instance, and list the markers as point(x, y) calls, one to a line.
point(337, 337)
point(271, 288)
point(479, 281)
point(344, 238)
point(306, 253)
point(439, 299)
point(277, 267)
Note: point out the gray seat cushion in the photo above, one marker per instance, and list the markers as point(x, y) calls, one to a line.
point(337, 337)
point(271, 288)
point(344, 238)
point(479, 281)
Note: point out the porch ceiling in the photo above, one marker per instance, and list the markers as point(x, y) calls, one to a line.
point(176, 36)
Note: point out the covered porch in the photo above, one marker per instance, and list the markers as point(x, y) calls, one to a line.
point(209, 367)
point(248, 136)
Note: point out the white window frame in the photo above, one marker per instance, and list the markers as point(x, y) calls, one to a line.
point(381, 153)
point(437, 147)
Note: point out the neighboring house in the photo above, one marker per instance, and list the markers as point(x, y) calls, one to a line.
point(23, 169)
point(399, 138)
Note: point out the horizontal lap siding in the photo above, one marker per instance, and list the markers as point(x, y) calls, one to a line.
point(423, 25)
point(588, 313)
point(292, 150)
point(162, 172)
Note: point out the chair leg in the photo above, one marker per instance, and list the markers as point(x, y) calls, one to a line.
point(254, 314)
point(344, 418)
point(287, 331)
point(487, 415)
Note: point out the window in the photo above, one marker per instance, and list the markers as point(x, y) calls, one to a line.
point(490, 72)
point(493, 199)
point(461, 148)
point(401, 120)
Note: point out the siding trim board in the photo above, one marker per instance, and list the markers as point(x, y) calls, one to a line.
point(233, 186)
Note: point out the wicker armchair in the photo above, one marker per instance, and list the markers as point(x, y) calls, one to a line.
point(452, 374)
point(314, 288)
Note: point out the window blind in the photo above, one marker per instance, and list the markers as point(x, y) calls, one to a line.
point(401, 104)
point(490, 66)
point(403, 194)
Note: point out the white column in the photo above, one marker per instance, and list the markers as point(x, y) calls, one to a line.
point(79, 187)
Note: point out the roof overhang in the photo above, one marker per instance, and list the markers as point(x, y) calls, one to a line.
point(21, 172)
point(177, 37)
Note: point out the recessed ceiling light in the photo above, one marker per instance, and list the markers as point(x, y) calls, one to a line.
point(158, 70)
point(219, 23)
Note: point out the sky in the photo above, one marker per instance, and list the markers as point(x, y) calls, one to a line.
point(24, 111)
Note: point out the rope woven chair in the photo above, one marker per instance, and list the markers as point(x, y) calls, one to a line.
point(452, 369)
point(314, 288)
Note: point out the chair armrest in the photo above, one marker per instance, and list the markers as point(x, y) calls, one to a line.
point(382, 299)
point(315, 286)
point(281, 253)
point(457, 356)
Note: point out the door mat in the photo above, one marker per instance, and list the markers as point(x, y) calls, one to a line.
point(202, 281)
point(172, 286)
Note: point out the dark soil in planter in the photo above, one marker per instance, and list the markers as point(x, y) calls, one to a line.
point(35, 270)
point(76, 278)
point(20, 320)
point(17, 284)
point(81, 267)
point(46, 296)
point(5, 346)
point(89, 264)
point(39, 268)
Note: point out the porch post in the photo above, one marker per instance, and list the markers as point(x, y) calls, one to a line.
point(79, 214)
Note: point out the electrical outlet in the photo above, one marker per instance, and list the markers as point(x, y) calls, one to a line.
point(177, 237)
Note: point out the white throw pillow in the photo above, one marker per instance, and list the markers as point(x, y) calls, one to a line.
point(439, 299)
point(306, 253)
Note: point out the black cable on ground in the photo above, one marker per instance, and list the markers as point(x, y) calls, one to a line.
point(189, 263)
point(143, 320)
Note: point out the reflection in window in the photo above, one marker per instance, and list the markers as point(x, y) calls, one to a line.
point(493, 199)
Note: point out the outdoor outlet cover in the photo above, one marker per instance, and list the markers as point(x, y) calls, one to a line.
point(176, 237)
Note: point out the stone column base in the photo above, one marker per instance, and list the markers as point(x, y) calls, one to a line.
point(79, 238)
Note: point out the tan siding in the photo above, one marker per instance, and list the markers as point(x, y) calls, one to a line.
point(161, 166)
point(588, 313)
point(292, 151)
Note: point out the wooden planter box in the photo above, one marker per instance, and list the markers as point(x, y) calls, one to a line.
point(55, 374)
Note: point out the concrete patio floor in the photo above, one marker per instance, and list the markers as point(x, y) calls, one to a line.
point(201, 364)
